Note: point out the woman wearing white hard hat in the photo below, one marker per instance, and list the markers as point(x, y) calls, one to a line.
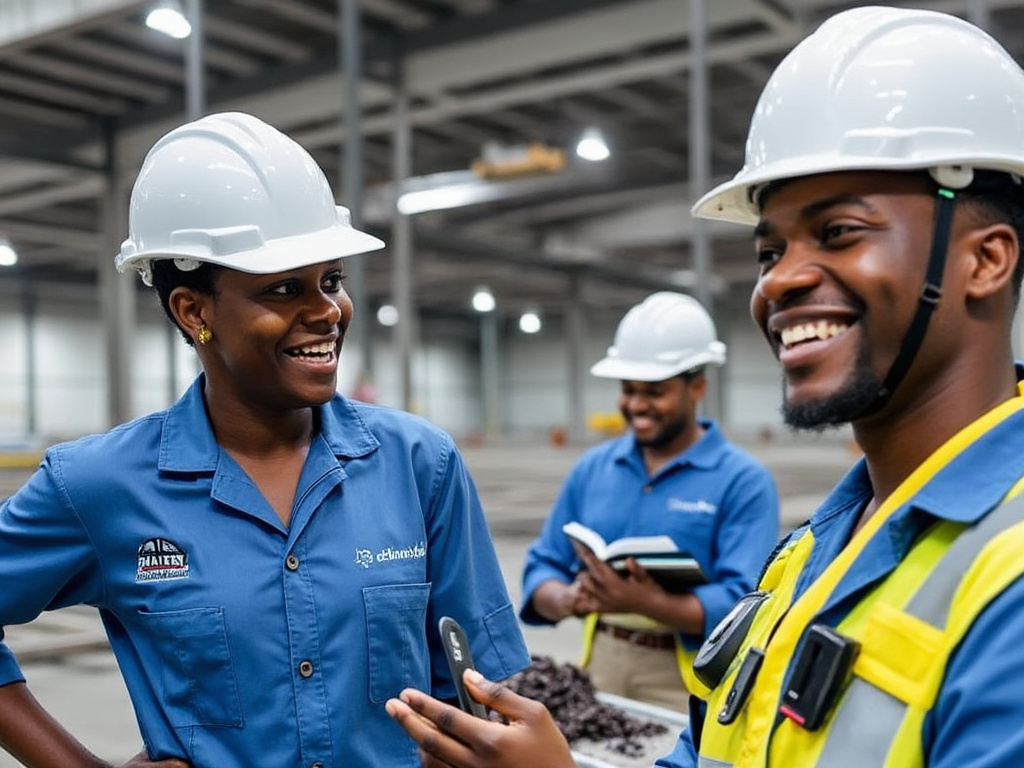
point(269, 558)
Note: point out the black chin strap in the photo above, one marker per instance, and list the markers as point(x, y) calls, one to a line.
point(930, 294)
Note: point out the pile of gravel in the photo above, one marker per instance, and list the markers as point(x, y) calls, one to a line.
point(569, 695)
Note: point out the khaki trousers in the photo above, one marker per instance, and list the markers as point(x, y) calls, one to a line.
point(644, 674)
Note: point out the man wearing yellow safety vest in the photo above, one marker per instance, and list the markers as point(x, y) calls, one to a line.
point(883, 175)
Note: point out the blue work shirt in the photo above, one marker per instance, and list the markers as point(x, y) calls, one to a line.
point(975, 722)
point(243, 642)
point(715, 500)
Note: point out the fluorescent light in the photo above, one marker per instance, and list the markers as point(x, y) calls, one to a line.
point(592, 146)
point(387, 315)
point(169, 19)
point(438, 199)
point(8, 256)
point(529, 322)
point(483, 300)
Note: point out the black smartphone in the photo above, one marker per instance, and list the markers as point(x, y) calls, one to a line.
point(456, 650)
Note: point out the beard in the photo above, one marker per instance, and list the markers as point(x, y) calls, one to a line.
point(671, 430)
point(839, 408)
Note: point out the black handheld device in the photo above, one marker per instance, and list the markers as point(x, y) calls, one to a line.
point(820, 673)
point(456, 650)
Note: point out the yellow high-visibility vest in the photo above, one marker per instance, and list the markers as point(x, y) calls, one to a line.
point(906, 627)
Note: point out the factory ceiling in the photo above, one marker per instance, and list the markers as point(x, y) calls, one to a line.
point(497, 94)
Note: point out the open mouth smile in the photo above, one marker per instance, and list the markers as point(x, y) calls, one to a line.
point(822, 330)
point(323, 352)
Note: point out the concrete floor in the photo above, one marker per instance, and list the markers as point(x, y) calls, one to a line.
point(69, 669)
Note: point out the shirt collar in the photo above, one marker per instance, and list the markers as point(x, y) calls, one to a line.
point(978, 478)
point(345, 431)
point(187, 443)
point(963, 490)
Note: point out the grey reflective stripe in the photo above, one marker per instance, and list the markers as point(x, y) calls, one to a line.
point(865, 725)
point(707, 762)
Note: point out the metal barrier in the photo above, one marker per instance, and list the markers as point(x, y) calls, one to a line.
point(671, 719)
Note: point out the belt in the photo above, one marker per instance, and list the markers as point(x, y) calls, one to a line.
point(645, 638)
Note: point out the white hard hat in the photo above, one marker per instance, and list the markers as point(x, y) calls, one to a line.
point(231, 190)
point(664, 335)
point(882, 89)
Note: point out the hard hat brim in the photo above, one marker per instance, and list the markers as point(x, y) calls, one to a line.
point(278, 255)
point(624, 370)
point(299, 251)
point(731, 200)
point(633, 370)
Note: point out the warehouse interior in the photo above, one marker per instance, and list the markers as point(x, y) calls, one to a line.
point(450, 127)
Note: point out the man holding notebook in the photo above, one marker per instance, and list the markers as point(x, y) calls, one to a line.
point(673, 480)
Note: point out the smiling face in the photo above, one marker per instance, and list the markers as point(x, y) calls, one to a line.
point(842, 260)
point(662, 414)
point(276, 338)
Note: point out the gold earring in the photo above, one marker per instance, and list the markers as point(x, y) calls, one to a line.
point(204, 335)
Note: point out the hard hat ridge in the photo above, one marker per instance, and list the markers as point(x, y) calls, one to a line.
point(230, 189)
point(877, 88)
point(665, 335)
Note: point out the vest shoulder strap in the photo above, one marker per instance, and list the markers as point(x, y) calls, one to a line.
point(866, 724)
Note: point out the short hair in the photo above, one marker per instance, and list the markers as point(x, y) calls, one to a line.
point(167, 277)
point(999, 197)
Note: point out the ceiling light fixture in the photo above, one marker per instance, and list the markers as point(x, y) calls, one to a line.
point(529, 322)
point(441, 198)
point(592, 146)
point(387, 315)
point(483, 300)
point(169, 19)
point(8, 256)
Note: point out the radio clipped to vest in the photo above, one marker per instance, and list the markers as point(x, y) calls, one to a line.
point(721, 646)
point(742, 686)
point(819, 675)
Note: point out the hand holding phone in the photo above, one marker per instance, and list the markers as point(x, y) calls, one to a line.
point(456, 650)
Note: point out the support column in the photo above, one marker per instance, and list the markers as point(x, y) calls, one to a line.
point(195, 72)
point(350, 58)
point(28, 305)
point(117, 293)
point(406, 331)
point(489, 373)
point(700, 180)
point(575, 342)
point(978, 14)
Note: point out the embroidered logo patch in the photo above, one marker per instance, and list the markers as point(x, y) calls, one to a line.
point(161, 560)
point(700, 506)
point(366, 557)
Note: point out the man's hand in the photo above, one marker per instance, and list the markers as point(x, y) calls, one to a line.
point(555, 600)
point(451, 738)
point(604, 590)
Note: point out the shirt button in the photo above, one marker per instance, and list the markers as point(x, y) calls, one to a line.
point(306, 669)
point(648, 489)
point(291, 563)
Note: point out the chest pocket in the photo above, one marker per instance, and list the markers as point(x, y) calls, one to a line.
point(197, 679)
point(396, 619)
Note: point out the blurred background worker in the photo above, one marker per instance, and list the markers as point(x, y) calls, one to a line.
point(673, 474)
